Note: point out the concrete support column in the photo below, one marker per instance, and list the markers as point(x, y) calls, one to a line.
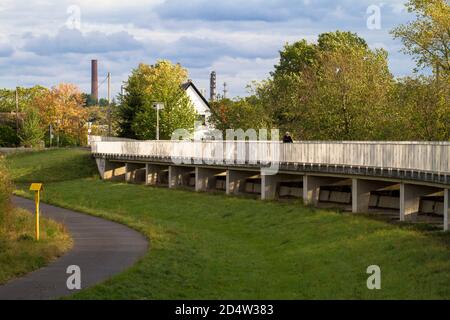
point(134, 172)
point(111, 170)
point(204, 179)
point(361, 193)
point(269, 186)
point(410, 198)
point(311, 188)
point(236, 181)
point(446, 208)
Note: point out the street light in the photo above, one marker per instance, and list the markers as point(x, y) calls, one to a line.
point(157, 106)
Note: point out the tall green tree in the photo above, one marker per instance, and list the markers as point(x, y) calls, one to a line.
point(427, 38)
point(146, 85)
point(424, 107)
point(336, 88)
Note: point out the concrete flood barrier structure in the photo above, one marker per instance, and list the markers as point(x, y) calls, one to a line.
point(409, 178)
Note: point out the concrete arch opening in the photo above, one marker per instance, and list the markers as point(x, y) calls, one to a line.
point(135, 173)
point(157, 175)
point(210, 179)
point(182, 177)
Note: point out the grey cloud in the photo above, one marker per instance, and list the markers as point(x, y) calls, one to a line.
point(6, 50)
point(73, 41)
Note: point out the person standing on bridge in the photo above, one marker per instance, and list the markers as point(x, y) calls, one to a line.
point(287, 138)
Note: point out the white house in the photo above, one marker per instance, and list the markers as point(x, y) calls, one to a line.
point(200, 103)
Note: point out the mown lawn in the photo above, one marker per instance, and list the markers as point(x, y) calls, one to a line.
point(206, 246)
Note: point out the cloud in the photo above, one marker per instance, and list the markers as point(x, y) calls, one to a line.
point(239, 39)
point(74, 41)
point(6, 50)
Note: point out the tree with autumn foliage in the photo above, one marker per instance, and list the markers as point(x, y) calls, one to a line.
point(62, 107)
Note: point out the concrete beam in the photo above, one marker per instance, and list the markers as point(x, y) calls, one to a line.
point(179, 176)
point(154, 174)
point(410, 198)
point(446, 208)
point(311, 187)
point(361, 190)
point(135, 172)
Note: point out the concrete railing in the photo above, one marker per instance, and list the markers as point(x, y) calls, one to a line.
point(421, 156)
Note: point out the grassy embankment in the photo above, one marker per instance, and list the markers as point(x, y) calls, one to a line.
point(19, 252)
point(206, 246)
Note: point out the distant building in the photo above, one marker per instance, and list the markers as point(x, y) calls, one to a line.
point(200, 103)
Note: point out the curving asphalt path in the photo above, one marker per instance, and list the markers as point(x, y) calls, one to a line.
point(101, 249)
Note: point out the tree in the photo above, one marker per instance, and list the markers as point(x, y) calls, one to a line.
point(240, 113)
point(334, 89)
point(424, 108)
point(26, 98)
point(330, 41)
point(32, 132)
point(63, 108)
point(294, 58)
point(349, 91)
point(428, 37)
point(155, 83)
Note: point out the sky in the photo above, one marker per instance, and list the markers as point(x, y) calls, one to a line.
point(51, 41)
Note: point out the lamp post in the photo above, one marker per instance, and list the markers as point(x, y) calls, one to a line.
point(157, 106)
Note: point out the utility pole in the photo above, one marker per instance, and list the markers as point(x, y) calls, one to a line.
point(17, 110)
point(158, 106)
point(225, 90)
point(109, 104)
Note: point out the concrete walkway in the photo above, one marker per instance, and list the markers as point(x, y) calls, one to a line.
point(101, 249)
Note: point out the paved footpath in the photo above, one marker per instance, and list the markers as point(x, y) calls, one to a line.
point(101, 249)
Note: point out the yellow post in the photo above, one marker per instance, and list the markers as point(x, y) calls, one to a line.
point(37, 188)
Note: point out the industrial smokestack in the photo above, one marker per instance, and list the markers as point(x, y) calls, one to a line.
point(213, 86)
point(94, 80)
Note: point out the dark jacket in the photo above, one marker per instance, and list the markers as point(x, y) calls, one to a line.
point(287, 139)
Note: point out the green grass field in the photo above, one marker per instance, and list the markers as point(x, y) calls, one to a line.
point(206, 246)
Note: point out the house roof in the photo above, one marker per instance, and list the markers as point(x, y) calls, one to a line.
point(188, 84)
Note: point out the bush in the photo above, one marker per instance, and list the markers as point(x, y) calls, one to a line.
point(8, 137)
point(5, 189)
point(32, 133)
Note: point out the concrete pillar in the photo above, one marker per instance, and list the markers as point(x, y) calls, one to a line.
point(311, 188)
point(236, 181)
point(135, 172)
point(204, 179)
point(154, 174)
point(269, 186)
point(410, 198)
point(361, 193)
point(111, 170)
point(178, 176)
point(446, 208)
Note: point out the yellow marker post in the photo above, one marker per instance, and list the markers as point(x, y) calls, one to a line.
point(37, 188)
